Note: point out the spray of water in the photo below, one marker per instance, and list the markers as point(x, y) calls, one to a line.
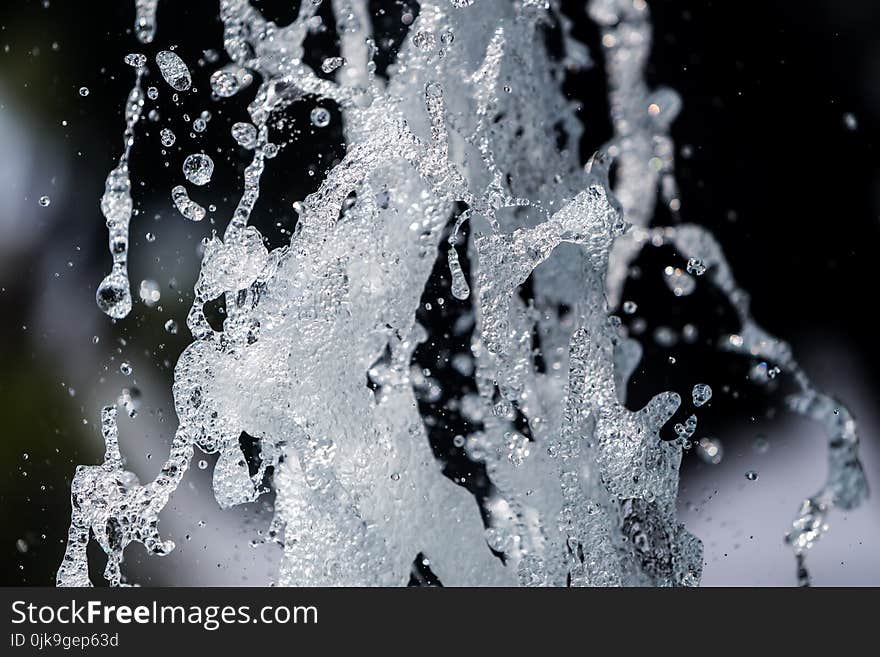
point(467, 121)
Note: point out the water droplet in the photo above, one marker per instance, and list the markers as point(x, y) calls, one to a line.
point(198, 168)
point(45, 201)
point(696, 267)
point(171, 327)
point(83, 91)
point(331, 64)
point(150, 237)
point(751, 475)
point(203, 464)
point(245, 134)
point(424, 40)
point(113, 296)
point(136, 59)
point(125, 368)
point(320, 117)
point(701, 393)
point(460, 288)
point(630, 307)
point(186, 206)
point(168, 137)
point(174, 70)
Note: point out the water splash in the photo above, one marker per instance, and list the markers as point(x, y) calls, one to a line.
point(114, 293)
point(185, 205)
point(145, 20)
point(583, 489)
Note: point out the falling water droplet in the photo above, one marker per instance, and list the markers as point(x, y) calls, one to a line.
point(198, 168)
point(751, 475)
point(171, 327)
point(701, 394)
point(245, 134)
point(83, 91)
point(331, 64)
point(45, 201)
point(125, 368)
point(696, 267)
point(113, 296)
point(186, 206)
point(136, 59)
point(320, 117)
point(174, 70)
point(460, 288)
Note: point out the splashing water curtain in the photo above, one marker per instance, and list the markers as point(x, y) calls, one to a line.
point(583, 490)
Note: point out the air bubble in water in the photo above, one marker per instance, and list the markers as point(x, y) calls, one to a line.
point(198, 168)
point(174, 70)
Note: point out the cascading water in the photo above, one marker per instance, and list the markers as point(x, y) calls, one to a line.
point(465, 126)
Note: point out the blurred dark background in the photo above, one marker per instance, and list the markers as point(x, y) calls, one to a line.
point(775, 154)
